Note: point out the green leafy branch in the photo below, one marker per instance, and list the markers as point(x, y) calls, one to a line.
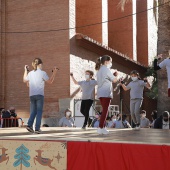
point(153, 92)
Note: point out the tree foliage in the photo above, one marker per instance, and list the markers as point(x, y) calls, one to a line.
point(123, 2)
point(153, 92)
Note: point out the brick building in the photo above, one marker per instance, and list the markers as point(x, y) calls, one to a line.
point(163, 47)
point(39, 28)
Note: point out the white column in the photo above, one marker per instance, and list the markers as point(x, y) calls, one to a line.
point(72, 32)
point(152, 30)
point(72, 18)
point(105, 24)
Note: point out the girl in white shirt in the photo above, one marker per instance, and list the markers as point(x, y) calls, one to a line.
point(105, 90)
point(36, 79)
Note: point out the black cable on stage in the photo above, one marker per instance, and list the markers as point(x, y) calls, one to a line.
point(65, 29)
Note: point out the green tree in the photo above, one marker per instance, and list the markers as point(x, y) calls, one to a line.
point(153, 92)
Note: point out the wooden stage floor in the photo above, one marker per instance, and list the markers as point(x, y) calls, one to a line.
point(142, 136)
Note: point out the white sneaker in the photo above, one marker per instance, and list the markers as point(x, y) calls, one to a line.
point(137, 127)
point(105, 131)
point(99, 131)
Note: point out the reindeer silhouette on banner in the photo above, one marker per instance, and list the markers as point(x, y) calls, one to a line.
point(4, 156)
point(41, 160)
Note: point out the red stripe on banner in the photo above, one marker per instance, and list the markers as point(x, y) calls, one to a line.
point(115, 156)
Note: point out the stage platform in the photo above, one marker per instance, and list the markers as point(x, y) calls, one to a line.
point(142, 136)
point(76, 149)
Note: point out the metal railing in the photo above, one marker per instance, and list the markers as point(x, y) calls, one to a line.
point(11, 122)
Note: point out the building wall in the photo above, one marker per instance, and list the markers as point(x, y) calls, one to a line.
point(2, 52)
point(146, 31)
point(21, 48)
point(89, 14)
point(163, 47)
point(142, 32)
point(120, 31)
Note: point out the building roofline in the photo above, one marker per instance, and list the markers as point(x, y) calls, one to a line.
point(90, 44)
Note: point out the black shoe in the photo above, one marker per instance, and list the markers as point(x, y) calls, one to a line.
point(90, 122)
point(84, 127)
point(137, 124)
point(38, 131)
point(30, 129)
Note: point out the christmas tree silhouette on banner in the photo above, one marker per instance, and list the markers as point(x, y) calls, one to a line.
point(22, 157)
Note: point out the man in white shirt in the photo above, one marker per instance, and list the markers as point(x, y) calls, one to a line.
point(164, 64)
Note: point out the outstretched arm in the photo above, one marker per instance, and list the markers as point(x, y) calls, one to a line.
point(115, 74)
point(51, 79)
point(122, 83)
point(147, 85)
point(112, 76)
point(25, 74)
point(155, 63)
point(74, 80)
point(124, 87)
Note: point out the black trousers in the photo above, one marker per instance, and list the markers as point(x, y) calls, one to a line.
point(85, 108)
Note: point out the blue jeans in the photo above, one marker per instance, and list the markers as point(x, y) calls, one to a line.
point(36, 109)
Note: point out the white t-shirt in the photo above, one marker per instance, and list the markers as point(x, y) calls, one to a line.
point(36, 82)
point(166, 64)
point(104, 81)
point(165, 125)
point(121, 124)
point(64, 122)
point(88, 88)
point(144, 122)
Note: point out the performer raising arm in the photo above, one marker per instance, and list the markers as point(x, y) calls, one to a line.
point(105, 90)
point(136, 87)
point(164, 64)
point(36, 80)
point(88, 94)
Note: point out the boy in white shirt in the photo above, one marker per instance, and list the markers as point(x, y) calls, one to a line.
point(144, 122)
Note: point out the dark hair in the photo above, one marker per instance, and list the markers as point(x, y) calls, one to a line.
point(124, 116)
point(90, 72)
point(154, 114)
point(67, 110)
point(165, 114)
point(101, 60)
point(36, 62)
point(134, 72)
point(1, 109)
point(108, 118)
point(143, 112)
